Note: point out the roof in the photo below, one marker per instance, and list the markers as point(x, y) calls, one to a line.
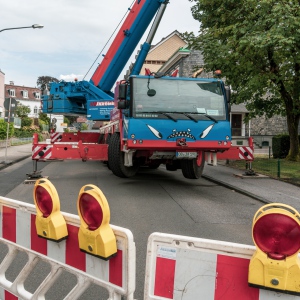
point(175, 32)
point(174, 59)
point(239, 108)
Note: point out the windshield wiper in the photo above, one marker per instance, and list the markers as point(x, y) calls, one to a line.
point(210, 117)
point(204, 114)
point(190, 117)
point(161, 112)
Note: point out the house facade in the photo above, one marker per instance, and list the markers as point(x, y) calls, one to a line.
point(2, 80)
point(28, 96)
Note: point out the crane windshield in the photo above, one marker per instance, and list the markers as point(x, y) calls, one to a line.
point(179, 98)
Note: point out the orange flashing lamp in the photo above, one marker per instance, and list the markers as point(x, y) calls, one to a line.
point(95, 234)
point(50, 223)
point(275, 264)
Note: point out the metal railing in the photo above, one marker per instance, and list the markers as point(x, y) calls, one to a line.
point(15, 142)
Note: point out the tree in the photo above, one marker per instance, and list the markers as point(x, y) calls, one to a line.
point(256, 44)
point(42, 81)
point(22, 111)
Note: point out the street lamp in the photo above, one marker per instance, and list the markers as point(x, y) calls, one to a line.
point(34, 26)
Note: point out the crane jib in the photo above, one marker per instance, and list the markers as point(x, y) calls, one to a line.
point(125, 43)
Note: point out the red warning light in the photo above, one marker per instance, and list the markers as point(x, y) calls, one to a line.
point(49, 222)
point(91, 211)
point(95, 236)
point(275, 264)
point(44, 201)
point(277, 235)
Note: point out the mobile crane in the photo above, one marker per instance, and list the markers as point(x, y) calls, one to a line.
point(153, 119)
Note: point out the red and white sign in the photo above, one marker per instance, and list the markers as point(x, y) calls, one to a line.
point(41, 151)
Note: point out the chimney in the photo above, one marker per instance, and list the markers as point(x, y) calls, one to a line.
point(11, 83)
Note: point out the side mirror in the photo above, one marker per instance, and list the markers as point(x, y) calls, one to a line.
point(228, 93)
point(123, 104)
point(122, 91)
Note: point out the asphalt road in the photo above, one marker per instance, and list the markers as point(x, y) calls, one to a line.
point(152, 201)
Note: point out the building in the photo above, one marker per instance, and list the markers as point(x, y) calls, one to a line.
point(27, 96)
point(2, 80)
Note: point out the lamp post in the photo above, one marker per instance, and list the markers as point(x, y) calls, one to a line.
point(34, 26)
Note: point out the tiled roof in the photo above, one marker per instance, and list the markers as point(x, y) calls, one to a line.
point(22, 92)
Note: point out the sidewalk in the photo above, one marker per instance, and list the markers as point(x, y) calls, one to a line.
point(262, 188)
point(14, 154)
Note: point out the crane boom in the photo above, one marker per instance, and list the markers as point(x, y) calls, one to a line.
point(94, 98)
point(129, 35)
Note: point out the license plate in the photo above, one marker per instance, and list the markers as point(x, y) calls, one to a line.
point(186, 154)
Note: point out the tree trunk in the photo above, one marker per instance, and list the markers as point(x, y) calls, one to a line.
point(293, 123)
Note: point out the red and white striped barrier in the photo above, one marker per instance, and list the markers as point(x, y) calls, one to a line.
point(55, 137)
point(180, 267)
point(41, 151)
point(117, 275)
point(246, 153)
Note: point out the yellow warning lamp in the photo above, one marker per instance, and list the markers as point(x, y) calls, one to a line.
point(95, 234)
point(49, 222)
point(275, 264)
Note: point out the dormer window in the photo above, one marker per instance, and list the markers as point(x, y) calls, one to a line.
point(24, 94)
point(12, 93)
point(37, 95)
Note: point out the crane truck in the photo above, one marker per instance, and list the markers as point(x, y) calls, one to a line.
point(152, 119)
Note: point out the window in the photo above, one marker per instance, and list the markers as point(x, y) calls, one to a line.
point(24, 94)
point(182, 99)
point(37, 95)
point(12, 93)
point(35, 110)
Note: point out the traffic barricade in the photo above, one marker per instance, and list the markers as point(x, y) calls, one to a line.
point(181, 267)
point(18, 233)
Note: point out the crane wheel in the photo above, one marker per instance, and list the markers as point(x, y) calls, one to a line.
point(190, 169)
point(116, 159)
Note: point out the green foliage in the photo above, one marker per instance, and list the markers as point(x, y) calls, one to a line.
point(84, 126)
point(44, 118)
point(66, 120)
point(44, 81)
point(19, 133)
point(70, 119)
point(256, 45)
point(26, 121)
point(281, 145)
point(22, 111)
point(3, 130)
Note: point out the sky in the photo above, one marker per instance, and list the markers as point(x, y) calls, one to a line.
point(74, 33)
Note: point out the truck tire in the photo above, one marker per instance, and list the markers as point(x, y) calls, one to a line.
point(116, 159)
point(190, 169)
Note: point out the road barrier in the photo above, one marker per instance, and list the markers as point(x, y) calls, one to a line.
point(18, 233)
point(177, 267)
point(181, 267)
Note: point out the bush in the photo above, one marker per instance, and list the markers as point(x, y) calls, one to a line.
point(26, 121)
point(3, 130)
point(21, 133)
point(281, 145)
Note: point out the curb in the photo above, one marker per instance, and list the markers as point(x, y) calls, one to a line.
point(3, 166)
point(241, 191)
